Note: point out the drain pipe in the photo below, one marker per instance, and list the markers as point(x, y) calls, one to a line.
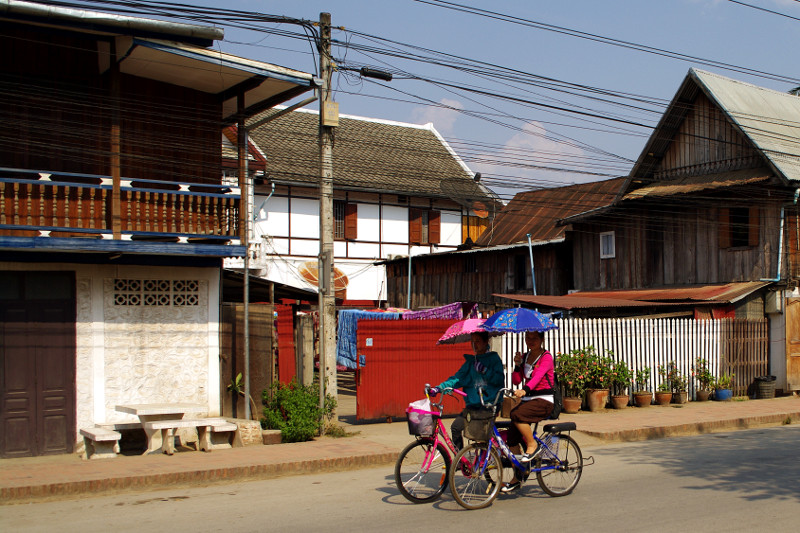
point(533, 274)
point(780, 238)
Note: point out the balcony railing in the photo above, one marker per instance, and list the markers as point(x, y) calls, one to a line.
point(41, 203)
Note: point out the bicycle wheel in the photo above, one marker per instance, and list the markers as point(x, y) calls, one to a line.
point(567, 458)
point(476, 476)
point(421, 471)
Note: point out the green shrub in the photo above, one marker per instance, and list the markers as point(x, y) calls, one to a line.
point(294, 410)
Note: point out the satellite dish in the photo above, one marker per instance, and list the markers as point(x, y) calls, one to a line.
point(480, 209)
point(310, 273)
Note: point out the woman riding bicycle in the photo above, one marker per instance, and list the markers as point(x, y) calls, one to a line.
point(484, 370)
point(535, 370)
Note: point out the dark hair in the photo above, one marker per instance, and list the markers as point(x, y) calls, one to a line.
point(483, 335)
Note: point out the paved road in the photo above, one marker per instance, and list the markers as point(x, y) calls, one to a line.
point(743, 481)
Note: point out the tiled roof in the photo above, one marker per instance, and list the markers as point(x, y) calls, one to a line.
point(536, 212)
point(368, 154)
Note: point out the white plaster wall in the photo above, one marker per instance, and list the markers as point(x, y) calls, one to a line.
point(395, 224)
point(368, 222)
point(306, 248)
point(365, 280)
point(273, 217)
point(451, 229)
point(364, 250)
point(304, 219)
point(394, 249)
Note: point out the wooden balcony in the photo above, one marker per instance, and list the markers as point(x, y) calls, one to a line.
point(59, 204)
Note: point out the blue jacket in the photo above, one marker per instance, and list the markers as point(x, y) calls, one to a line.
point(469, 379)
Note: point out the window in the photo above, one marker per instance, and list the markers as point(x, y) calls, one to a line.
point(345, 220)
point(738, 227)
point(607, 245)
point(424, 226)
point(522, 266)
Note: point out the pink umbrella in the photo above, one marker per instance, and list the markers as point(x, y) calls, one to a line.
point(461, 331)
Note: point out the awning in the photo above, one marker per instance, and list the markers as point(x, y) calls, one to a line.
point(726, 293)
point(213, 72)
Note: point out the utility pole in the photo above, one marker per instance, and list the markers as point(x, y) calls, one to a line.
point(328, 119)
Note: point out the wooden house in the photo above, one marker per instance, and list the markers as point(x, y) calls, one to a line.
point(399, 190)
point(500, 260)
point(712, 201)
point(113, 218)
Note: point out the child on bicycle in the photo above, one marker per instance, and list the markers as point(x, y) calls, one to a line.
point(484, 370)
point(535, 370)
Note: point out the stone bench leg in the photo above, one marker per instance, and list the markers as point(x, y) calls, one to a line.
point(168, 441)
point(204, 436)
point(103, 449)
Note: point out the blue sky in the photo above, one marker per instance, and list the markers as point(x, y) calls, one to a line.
point(517, 145)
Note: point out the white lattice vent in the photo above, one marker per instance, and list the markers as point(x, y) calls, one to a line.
point(156, 292)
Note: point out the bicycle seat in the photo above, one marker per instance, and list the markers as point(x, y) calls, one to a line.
point(500, 424)
point(558, 428)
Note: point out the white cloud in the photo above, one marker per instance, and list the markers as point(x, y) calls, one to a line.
point(443, 118)
point(528, 160)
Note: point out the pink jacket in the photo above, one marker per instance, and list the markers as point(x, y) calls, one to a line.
point(541, 378)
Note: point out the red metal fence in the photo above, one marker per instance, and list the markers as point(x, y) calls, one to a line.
point(400, 358)
point(287, 367)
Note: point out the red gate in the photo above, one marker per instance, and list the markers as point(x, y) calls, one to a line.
point(287, 368)
point(400, 358)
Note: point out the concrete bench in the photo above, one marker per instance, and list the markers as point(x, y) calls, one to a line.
point(206, 428)
point(100, 443)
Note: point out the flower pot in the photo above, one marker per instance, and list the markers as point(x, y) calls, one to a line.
point(723, 395)
point(643, 399)
point(596, 399)
point(702, 395)
point(571, 404)
point(620, 401)
point(680, 397)
point(663, 398)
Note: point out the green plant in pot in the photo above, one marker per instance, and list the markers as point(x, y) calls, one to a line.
point(572, 375)
point(704, 377)
point(598, 379)
point(724, 387)
point(642, 397)
point(621, 377)
point(664, 389)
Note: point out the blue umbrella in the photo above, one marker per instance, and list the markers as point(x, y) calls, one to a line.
point(517, 320)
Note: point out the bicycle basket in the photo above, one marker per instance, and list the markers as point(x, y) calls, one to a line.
point(478, 424)
point(420, 418)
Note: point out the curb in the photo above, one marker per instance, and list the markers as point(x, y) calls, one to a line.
point(29, 493)
point(694, 428)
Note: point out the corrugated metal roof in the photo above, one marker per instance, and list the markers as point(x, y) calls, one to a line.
point(718, 293)
point(578, 302)
point(700, 183)
point(673, 296)
point(536, 212)
point(771, 119)
point(369, 154)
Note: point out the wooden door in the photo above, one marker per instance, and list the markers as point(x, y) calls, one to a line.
point(793, 343)
point(37, 363)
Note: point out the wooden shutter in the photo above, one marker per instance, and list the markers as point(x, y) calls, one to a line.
point(351, 221)
point(754, 221)
point(434, 227)
point(414, 226)
point(724, 228)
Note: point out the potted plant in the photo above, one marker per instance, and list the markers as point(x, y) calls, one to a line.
point(598, 374)
point(678, 384)
point(642, 397)
point(664, 390)
point(704, 377)
point(724, 387)
point(572, 375)
point(620, 376)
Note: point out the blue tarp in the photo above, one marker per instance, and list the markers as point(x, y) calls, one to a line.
point(346, 345)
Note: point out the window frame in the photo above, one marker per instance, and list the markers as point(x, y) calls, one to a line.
point(604, 236)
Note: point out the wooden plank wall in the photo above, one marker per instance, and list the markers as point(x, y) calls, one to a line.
point(232, 353)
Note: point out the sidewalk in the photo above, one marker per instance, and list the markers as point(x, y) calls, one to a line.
point(67, 476)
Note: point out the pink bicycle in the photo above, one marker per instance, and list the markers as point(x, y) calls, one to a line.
point(423, 467)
